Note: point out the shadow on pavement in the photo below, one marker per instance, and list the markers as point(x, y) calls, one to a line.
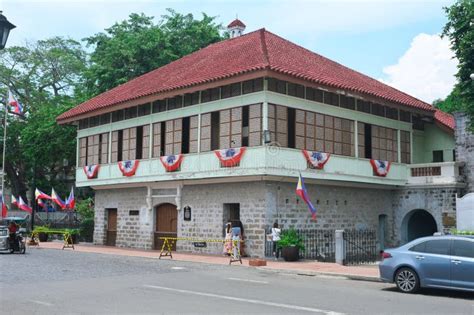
point(438, 292)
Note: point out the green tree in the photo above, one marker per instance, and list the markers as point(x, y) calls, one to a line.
point(452, 103)
point(460, 30)
point(138, 45)
point(46, 76)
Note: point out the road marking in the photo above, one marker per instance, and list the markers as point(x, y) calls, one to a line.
point(178, 268)
point(247, 280)
point(232, 298)
point(41, 303)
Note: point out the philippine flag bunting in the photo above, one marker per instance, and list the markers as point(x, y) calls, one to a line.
point(128, 168)
point(316, 159)
point(172, 162)
point(91, 171)
point(14, 201)
point(71, 202)
point(230, 157)
point(303, 194)
point(381, 168)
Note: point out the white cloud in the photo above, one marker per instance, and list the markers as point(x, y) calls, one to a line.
point(426, 70)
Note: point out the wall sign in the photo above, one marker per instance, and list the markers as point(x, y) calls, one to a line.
point(200, 244)
point(187, 213)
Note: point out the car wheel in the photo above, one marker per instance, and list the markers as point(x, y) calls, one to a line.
point(407, 280)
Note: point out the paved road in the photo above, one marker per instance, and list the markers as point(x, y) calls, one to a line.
point(66, 282)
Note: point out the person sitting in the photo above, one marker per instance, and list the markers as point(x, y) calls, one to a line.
point(12, 229)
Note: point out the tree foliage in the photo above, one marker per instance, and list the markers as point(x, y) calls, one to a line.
point(45, 76)
point(460, 30)
point(138, 45)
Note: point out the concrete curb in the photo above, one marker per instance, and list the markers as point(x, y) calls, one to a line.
point(322, 273)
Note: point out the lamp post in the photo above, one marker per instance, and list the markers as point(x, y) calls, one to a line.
point(5, 27)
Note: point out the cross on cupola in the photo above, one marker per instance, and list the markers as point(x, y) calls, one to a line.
point(236, 28)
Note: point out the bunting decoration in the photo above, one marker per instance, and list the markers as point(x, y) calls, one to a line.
point(171, 162)
point(17, 108)
point(316, 159)
point(230, 157)
point(23, 206)
point(128, 168)
point(303, 194)
point(71, 202)
point(381, 168)
point(41, 195)
point(91, 171)
point(4, 207)
point(14, 201)
point(57, 200)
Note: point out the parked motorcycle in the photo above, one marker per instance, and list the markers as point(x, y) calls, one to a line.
point(12, 245)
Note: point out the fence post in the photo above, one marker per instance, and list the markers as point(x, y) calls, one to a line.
point(340, 253)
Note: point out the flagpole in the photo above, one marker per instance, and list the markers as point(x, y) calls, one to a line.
point(4, 149)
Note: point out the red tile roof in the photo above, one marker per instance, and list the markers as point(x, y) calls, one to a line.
point(445, 119)
point(236, 22)
point(259, 50)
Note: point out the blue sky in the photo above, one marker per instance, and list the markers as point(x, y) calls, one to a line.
point(394, 41)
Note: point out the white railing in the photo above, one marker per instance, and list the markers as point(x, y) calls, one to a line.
point(434, 173)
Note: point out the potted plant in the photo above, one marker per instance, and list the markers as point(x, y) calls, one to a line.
point(42, 232)
point(291, 244)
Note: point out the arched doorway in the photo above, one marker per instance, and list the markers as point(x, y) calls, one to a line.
point(418, 223)
point(166, 223)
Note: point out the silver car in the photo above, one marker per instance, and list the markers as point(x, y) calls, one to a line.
point(445, 262)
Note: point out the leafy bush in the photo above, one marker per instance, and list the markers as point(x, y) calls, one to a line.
point(290, 238)
point(87, 230)
point(462, 232)
point(85, 208)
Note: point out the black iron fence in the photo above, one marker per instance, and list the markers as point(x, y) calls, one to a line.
point(319, 245)
point(360, 247)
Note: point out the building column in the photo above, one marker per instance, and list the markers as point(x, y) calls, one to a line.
point(399, 146)
point(109, 154)
point(356, 138)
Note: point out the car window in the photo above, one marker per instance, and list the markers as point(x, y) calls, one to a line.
point(463, 248)
point(419, 247)
point(440, 247)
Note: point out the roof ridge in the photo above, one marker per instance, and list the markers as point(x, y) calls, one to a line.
point(341, 65)
point(264, 47)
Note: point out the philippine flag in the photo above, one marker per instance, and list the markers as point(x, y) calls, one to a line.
point(71, 202)
point(14, 201)
point(57, 200)
point(13, 102)
point(41, 203)
point(39, 194)
point(4, 207)
point(23, 206)
point(303, 194)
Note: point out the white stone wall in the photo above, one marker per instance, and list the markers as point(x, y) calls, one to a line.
point(465, 148)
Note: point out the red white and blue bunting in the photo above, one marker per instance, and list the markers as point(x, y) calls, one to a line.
point(230, 157)
point(129, 167)
point(91, 171)
point(381, 168)
point(316, 158)
point(171, 162)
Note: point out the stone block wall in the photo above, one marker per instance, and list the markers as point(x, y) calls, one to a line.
point(465, 148)
point(208, 218)
point(132, 231)
point(440, 202)
point(337, 207)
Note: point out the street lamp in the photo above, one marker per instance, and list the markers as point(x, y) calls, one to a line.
point(5, 28)
point(472, 76)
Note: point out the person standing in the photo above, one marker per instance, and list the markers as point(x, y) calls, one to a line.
point(276, 232)
point(228, 239)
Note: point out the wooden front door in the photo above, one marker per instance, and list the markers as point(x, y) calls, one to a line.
point(166, 224)
point(111, 227)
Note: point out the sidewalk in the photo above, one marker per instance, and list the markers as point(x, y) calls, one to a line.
point(367, 273)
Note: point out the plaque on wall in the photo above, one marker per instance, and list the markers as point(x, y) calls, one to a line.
point(187, 213)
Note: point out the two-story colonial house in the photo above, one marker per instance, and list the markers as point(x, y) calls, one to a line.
point(153, 149)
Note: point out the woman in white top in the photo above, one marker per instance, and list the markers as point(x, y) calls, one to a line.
point(276, 238)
